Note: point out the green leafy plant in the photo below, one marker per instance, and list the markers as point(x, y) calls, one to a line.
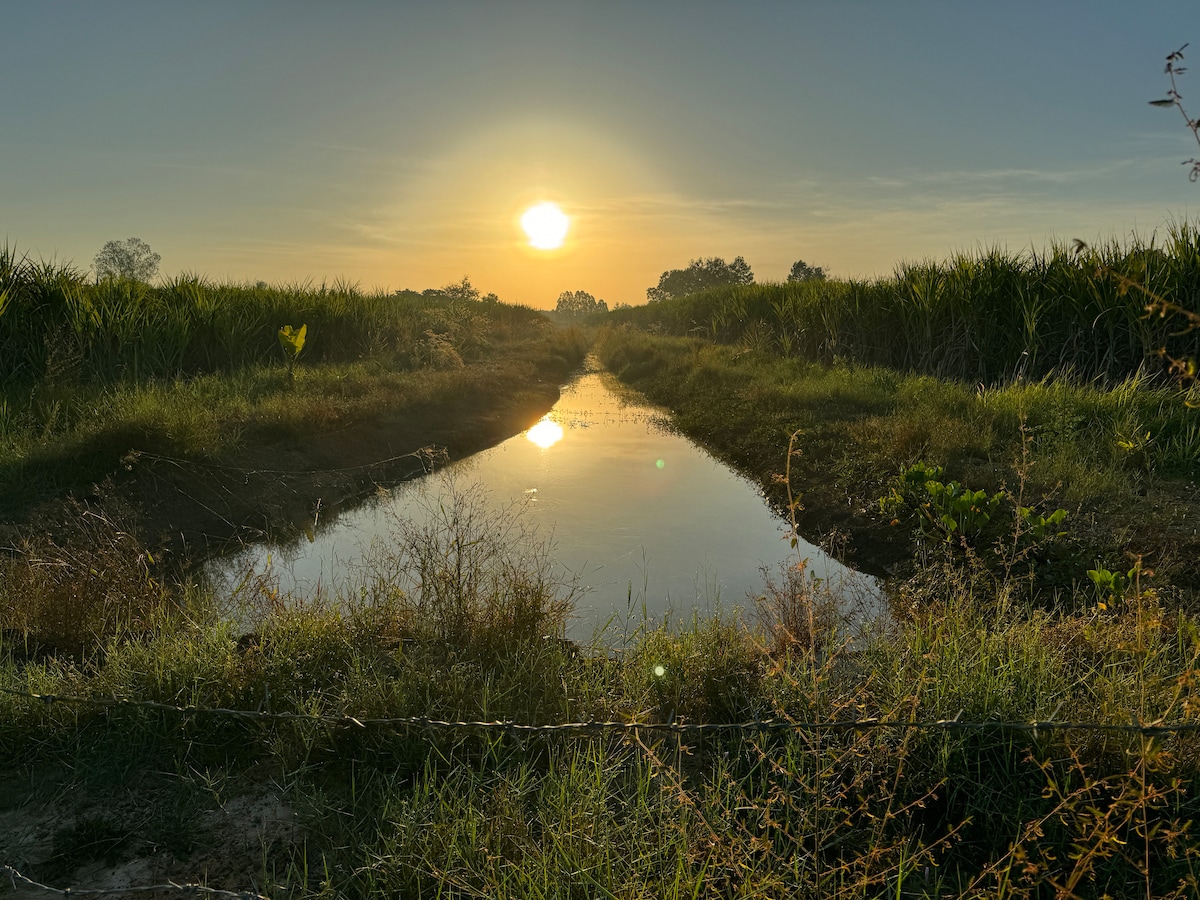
point(943, 508)
point(955, 508)
point(1109, 585)
point(292, 342)
point(1040, 526)
point(953, 512)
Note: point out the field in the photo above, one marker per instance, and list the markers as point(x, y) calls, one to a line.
point(1024, 724)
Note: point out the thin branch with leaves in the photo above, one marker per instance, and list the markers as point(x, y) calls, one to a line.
point(1175, 99)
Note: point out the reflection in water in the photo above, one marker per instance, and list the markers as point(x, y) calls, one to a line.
point(645, 520)
point(545, 433)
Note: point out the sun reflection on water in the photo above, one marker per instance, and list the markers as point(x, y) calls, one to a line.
point(545, 433)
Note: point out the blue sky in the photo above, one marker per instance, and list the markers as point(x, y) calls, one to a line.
point(396, 144)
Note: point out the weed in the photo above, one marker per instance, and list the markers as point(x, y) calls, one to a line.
point(292, 342)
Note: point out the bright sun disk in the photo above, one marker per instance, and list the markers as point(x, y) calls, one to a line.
point(546, 226)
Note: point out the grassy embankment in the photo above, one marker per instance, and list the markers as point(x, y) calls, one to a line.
point(1034, 375)
point(146, 390)
point(453, 623)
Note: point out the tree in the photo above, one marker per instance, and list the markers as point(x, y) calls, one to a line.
point(461, 290)
point(802, 271)
point(578, 304)
point(700, 275)
point(131, 258)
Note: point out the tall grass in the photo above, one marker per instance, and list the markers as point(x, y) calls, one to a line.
point(829, 812)
point(55, 324)
point(986, 317)
point(92, 371)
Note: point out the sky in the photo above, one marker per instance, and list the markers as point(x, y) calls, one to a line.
point(397, 144)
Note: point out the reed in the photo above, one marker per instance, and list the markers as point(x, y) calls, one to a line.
point(55, 324)
point(989, 317)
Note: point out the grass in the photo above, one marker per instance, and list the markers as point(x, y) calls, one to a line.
point(57, 326)
point(1121, 459)
point(94, 374)
point(989, 317)
point(402, 811)
point(463, 619)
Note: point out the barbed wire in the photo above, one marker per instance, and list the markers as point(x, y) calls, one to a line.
point(429, 456)
point(757, 726)
point(16, 876)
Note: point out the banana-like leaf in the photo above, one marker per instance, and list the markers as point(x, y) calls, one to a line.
point(292, 339)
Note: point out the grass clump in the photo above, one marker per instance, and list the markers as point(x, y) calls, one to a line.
point(462, 620)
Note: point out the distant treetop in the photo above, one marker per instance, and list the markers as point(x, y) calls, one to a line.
point(130, 258)
point(699, 275)
point(802, 271)
point(578, 304)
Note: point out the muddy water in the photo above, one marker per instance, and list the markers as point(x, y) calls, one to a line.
point(641, 519)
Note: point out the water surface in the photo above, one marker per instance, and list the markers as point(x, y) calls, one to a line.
point(646, 521)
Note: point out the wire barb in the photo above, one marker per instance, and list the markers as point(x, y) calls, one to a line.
point(16, 876)
point(761, 726)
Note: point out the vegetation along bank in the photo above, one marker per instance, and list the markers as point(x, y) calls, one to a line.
point(178, 412)
point(934, 369)
point(1023, 724)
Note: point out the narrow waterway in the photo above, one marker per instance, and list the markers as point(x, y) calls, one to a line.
point(645, 522)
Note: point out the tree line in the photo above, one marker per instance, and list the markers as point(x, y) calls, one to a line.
point(710, 272)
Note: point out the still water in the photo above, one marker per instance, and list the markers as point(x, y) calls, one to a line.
point(643, 520)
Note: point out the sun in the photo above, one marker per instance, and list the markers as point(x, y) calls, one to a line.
point(546, 226)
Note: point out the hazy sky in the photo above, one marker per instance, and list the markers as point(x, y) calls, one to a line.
point(396, 144)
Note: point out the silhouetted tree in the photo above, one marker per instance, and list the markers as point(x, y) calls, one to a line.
point(699, 275)
point(130, 258)
point(461, 290)
point(802, 271)
point(577, 304)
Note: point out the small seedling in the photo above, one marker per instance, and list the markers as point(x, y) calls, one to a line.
point(292, 342)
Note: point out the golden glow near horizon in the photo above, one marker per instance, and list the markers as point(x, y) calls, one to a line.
point(545, 433)
point(546, 226)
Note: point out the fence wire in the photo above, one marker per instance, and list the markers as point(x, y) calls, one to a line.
point(757, 726)
point(428, 457)
point(192, 889)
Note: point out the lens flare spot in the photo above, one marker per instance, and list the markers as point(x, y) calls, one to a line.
point(545, 433)
point(660, 671)
point(659, 463)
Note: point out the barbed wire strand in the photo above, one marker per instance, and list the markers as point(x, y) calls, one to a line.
point(169, 886)
point(429, 456)
point(757, 726)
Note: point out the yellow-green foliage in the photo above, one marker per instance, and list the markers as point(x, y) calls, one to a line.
point(58, 325)
point(988, 317)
